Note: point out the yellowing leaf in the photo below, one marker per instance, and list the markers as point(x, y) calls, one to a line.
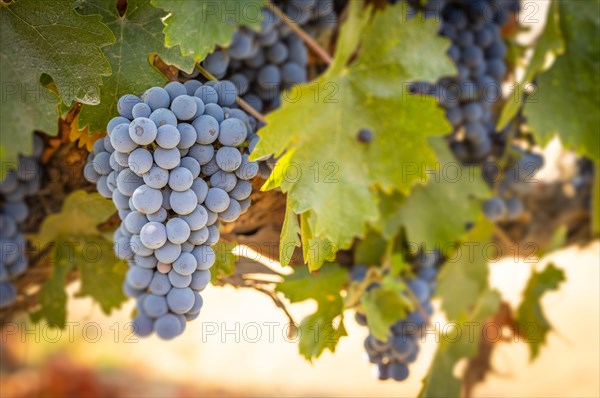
point(337, 173)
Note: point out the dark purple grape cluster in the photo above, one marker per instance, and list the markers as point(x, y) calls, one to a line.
point(15, 188)
point(392, 357)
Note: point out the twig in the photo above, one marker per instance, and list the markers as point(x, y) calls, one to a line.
point(503, 236)
point(243, 104)
point(303, 35)
point(278, 303)
point(414, 299)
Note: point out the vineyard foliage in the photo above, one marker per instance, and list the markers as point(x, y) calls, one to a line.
point(342, 194)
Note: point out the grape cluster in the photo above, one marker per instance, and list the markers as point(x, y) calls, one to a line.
point(175, 163)
point(316, 17)
point(478, 51)
point(515, 181)
point(261, 63)
point(19, 184)
point(393, 356)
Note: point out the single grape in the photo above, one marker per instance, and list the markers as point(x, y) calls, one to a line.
point(223, 180)
point(153, 235)
point(138, 277)
point(168, 136)
point(200, 280)
point(215, 111)
point(158, 216)
point(184, 107)
point(232, 212)
point(156, 177)
point(147, 200)
point(241, 191)
point(155, 306)
point(125, 105)
point(168, 327)
point(179, 281)
point(142, 131)
point(207, 129)
point(178, 230)
point(217, 200)
point(140, 161)
point(175, 89)
point(167, 158)
point(121, 140)
point(141, 110)
point(180, 300)
point(187, 134)
point(233, 132)
point(162, 117)
point(168, 253)
point(184, 202)
point(199, 236)
point(156, 97)
point(180, 179)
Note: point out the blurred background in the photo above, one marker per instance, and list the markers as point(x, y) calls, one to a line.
point(229, 351)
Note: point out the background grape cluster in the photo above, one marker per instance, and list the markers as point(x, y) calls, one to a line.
point(470, 98)
point(263, 63)
point(175, 163)
point(392, 357)
point(18, 184)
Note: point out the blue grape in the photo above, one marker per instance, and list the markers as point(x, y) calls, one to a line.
point(162, 116)
point(126, 104)
point(184, 107)
point(156, 97)
point(168, 136)
point(207, 129)
point(168, 327)
point(178, 230)
point(142, 131)
point(175, 89)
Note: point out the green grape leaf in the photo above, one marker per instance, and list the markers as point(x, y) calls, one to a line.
point(567, 99)
point(139, 35)
point(197, 27)
point(548, 47)
point(370, 250)
point(290, 237)
point(224, 261)
point(316, 251)
point(459, 187)
point(53, 297)
point(371, 92)
point(466, 266)
point(101, 274)
point(80, 216)
point(384, 307)
point(461, 342)
point(40, 37)
point(530, 315)
point(320, 330)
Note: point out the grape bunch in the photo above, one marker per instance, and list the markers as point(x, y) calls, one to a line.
point(392, 357)
point(175, 163)
point(517, 180)
point(478, 51)
point(316, 17)
point(18, 184)
point(262, 63)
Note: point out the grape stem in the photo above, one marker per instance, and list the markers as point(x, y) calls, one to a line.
point(243, 104)
point(420, 308)
point(301, 33)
